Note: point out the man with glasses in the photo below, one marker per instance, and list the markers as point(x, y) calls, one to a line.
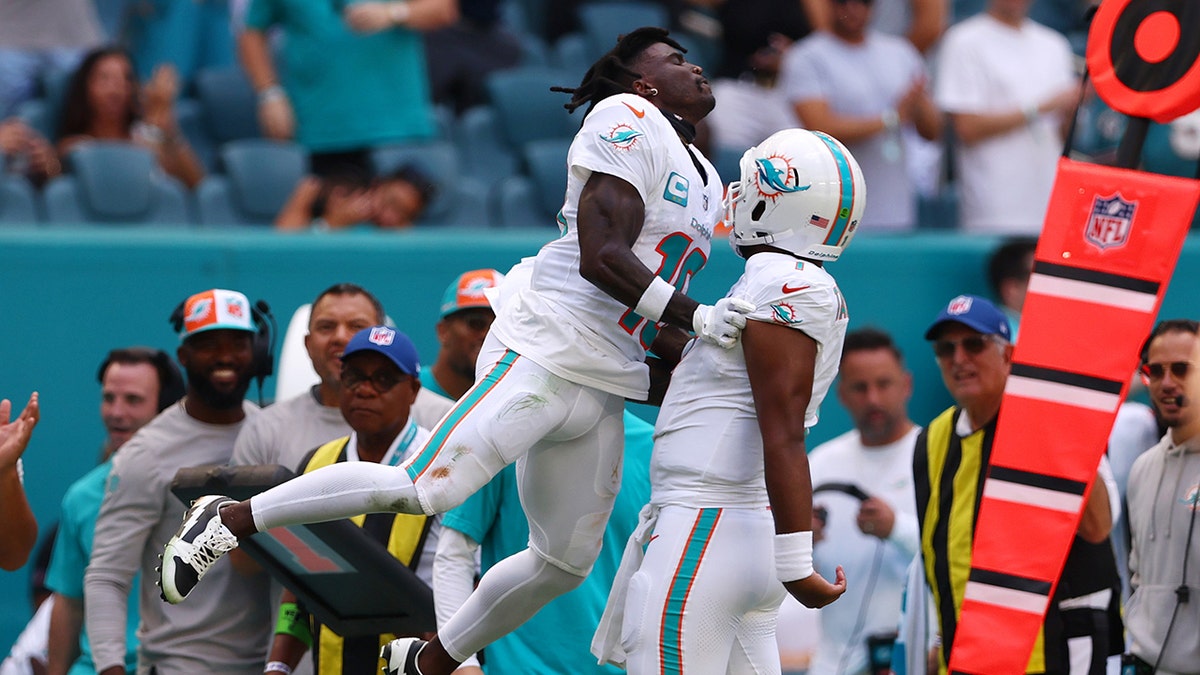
point(971, 342)
point(379, 385)
point(1163, 486)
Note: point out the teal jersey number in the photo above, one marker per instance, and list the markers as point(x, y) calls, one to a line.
point(677, 267)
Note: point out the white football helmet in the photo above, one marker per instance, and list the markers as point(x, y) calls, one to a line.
point(800, 191)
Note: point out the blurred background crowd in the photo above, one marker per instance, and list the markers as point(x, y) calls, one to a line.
point(341, 114)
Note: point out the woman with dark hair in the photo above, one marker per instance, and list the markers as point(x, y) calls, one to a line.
point(103, 103)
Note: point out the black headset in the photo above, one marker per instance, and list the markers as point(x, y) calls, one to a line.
point(263, 343)
point(170, 380)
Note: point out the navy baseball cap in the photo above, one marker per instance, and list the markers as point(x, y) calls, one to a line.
point(975, 313)
point(389, 342)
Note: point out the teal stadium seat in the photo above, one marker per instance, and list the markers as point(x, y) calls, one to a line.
point(228, 104)
point(535, 198)
point(526, 109)
point(259, 176)
point(116, 183)
point(460, 199)
point(482, 153)
point(18, 201)
point(603, 22)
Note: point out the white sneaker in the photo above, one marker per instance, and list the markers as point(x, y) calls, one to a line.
point(197, 545)
point(400, 656)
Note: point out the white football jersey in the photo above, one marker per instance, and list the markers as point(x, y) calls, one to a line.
point(708, 449)
point(566, 324)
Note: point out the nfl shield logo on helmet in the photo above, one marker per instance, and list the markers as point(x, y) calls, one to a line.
point(382, 335)
point(1109, 223)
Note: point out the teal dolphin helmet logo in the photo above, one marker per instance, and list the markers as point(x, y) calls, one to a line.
point(777, 176)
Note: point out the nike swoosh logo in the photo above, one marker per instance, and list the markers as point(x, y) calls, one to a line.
point(788, 289)
point(652, 538)
point(638, 113)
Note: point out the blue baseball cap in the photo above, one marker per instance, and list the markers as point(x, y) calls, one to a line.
point(975, 313)
point(389, 342)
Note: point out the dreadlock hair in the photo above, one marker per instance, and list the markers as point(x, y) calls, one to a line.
point(611, 74)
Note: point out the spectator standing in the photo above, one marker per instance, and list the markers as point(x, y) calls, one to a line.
point(348, 82)
point(187, 35)
point(875, 538)
point(1008, 86)
point(379, 385)
point(135, 385)
point(1162, 615)
point(18, 529)
point(38, 37)
point(103, 103)
point(866, 89)
point(226, 634)
point(1082, 626)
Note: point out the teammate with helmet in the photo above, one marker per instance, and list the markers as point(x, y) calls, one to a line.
point(639, 212)
point(730, 513)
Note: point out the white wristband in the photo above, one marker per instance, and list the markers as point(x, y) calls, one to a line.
point(1030, 113)
point(891, 119)
point(793, 556)
point(654, 300)
point(278, 666)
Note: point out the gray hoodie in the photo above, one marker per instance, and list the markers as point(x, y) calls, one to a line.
point(1162, 497)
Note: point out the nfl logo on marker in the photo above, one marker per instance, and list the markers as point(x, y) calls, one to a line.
point(382, 336)
point(1109, 223)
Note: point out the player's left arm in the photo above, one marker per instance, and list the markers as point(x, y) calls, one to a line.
point(780, 362)
point(610, 218)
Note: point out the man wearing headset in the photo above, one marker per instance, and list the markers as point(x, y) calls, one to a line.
point(136, 384)
point(1163, 612)
point(226, 632)
point(873, 534)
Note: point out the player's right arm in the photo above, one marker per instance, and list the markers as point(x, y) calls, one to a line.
point(780, 362)
point(611, 214)
point(610, 218)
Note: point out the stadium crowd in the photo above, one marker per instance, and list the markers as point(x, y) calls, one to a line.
point(309, 116)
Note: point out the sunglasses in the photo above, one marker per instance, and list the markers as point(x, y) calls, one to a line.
point(382, 380)
point(476, 322)
point(1155, 371)
point(972, 345)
